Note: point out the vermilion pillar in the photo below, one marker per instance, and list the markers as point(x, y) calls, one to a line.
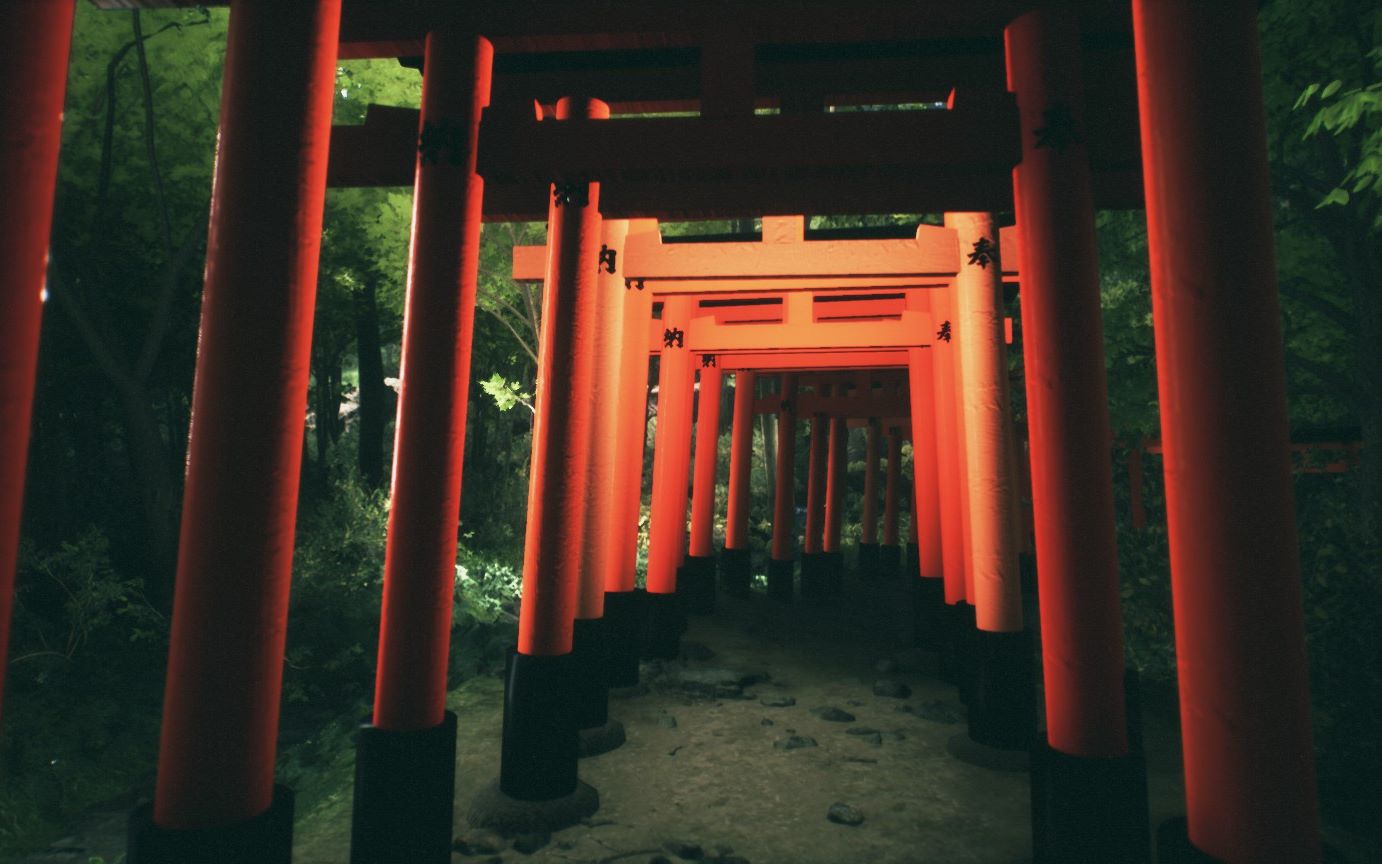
point(1087, 777)
point(740, 463)
point(735, 559)
point(832, 557)
point(225, 664)
point(671, 471)
point(700, 561)
point(622, 601)
point(591, 635)
point(948, 476)
point(602, 508)
point(539, 747)
point(934, 588)
point(34, 40)
point(1249, 768)
point(400, 802)
point(780, 562)
point(978, 315)
point(925, 470)
point(835, 481)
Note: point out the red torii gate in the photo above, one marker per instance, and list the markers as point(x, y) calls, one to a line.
point(797, 316)
point(1238, 617)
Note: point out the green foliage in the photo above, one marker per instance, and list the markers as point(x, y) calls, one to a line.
point(1358, 111)
point(506, 394)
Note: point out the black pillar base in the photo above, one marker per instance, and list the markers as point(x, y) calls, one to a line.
point(781, 575)
point(736, 571)
point(1088, 808)
point(590, 684)
point(663, 625)
point(928, 613)
point(1173, 846)
point(405, 787)
point(868, 561)
point(700, 593)
point(624, 625)
point(957, 649)
point(1002, 712)
point(265, 839)
point(494, 809)
point(813, 576)
point(538, 753)
point(600, 739)
point(911, 561)
point(683, 593)
point(889, 562)
point(833, 574)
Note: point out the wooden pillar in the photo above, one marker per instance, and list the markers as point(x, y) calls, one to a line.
point(1235, 579)
point(1088, 788)
point(699, 571)
point(836, 478)
point(707, 445)
point(891, 484)
point(949, 502)
point(538, 759)
point(230, 613)
point(925, 471)
point(780, 562)
point(978, 319)
point(740, 463)
point(591, 636)
point(34, 40)
point(402, 802)
point(671, 475)
point(622, 602)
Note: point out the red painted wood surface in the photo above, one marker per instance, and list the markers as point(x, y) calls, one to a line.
point(671, 451)
point(740, 462)
point(561, 443)
point(235, 553)
point(603, 502)
point(429, 443)
point(34, 40)
point(784, 493)
point(1067, 399)
point(1235, 578)
point(707, 451)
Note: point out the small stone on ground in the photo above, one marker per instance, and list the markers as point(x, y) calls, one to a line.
point(795, 742)
point(843, 814)
point(667, 721)
point(832, 714)
point(777, 701)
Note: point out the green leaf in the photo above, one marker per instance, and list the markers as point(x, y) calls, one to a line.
point(1336, 196)
point(1331, 88)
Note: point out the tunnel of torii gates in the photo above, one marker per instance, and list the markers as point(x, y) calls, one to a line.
point(1045, 110)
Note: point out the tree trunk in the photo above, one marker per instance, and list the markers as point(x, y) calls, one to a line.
point(373, 393)
point(769, 426)
point(157, 491)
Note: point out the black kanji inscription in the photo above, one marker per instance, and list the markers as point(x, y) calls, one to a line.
point(985, 253)
point(608, 257)
point(943, 334)
point(673, 338)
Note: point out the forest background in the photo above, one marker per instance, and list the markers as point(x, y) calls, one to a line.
point(114, 392)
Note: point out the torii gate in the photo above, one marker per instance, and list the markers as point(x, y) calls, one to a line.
point(1063, 121)
point(783, 294)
